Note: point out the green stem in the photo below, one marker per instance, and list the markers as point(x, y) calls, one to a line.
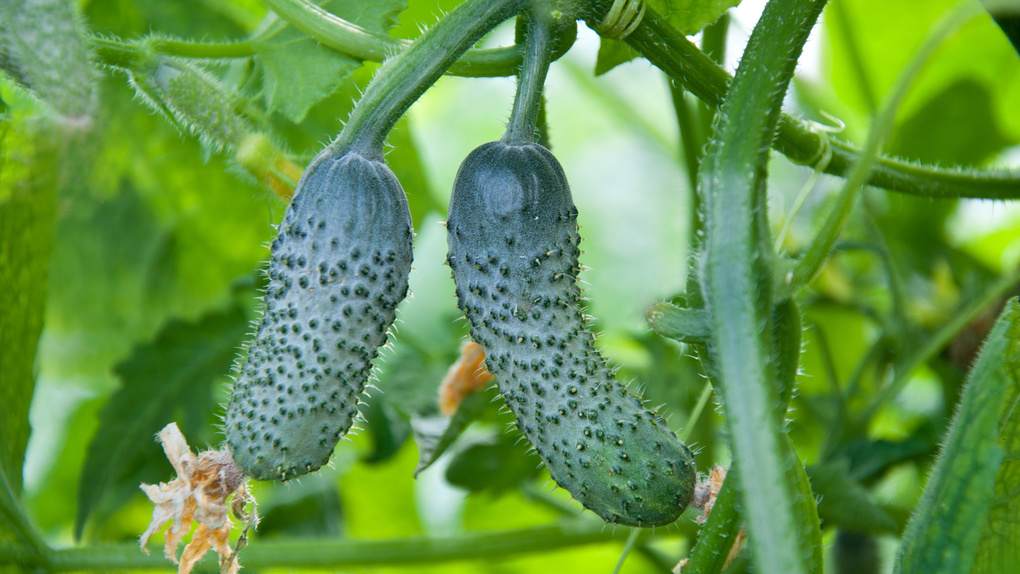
point(699, 408)
point(332, 554)
point(120, 53)
point(736, 280)
point(716, 539)
point(669, 50)
point(14, 517)
point(627, 547)
point(335, 32)
point(356, 41)
point(405, 77)
point(818, 253)
point(691, 141)
point(531, 81)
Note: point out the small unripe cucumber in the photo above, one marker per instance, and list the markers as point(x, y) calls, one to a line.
point(513, 249)
point(338, 270)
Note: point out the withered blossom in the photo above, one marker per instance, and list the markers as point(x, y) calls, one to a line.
point(200, 492)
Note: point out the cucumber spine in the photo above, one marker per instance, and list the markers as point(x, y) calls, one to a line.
point(513, 239)
point(339, 267)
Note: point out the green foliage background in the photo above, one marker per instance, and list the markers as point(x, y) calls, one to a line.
point(138, 259)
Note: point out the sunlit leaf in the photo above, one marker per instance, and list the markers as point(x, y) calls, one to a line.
point(687, 16)
point(299, 71)
point(943, 535)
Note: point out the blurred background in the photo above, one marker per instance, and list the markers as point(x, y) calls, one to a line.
point(158, 237)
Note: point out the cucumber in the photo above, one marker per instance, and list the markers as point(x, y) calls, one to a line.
point(513, 240)
point(339, 268)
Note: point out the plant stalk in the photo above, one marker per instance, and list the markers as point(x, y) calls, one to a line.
point(405, 77)
point(336, 553)
point(670, 51)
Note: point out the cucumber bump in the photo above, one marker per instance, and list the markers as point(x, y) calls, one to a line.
point(338, 269)
point(513, 242)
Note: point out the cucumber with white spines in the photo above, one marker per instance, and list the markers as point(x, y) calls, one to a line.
point(339, 268)
point(513, 239)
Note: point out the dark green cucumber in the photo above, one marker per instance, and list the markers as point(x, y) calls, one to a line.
point(513, 241)
point(339, 268)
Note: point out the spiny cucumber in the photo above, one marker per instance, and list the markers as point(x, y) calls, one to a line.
point(339, 268)
point(513, 242)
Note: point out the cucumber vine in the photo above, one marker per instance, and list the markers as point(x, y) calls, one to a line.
point(754, 316)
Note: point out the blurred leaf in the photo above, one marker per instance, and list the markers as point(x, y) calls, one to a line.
point(844, 502)
point(944, 533)
point(129, 18)
point(806, 509)
point(978, 52)
point(29, 171)
point(421, 15)
point(687, 16)
point(690, 16)
point(174, 372)
point(435, 434)
point(428, 334)
point(957, 126)
point(493, 466)
point(406, 163)
point(869, 458)
point(42, 46)
point(299, 71)
point(147, 232)
point(311, 511)
point(387, 429)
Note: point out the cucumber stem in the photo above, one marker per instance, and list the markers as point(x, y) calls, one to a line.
point(406, 76)
point(818, 253)
point(351, 39)
point(531, 80)
point(666, 48)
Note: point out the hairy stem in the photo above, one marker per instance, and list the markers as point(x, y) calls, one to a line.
point(819, 250)
point(736, 278)
point(528, 100)
point(405, 77)
point(356, 41)
point(339, 553)
point(670, 51)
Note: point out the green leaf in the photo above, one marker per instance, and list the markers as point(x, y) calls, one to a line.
point(435, 434)
point(28, 208)
point(979, 52)
point(311, 511)
point(386, 428)
point(945, 533)
point(175, 372)
point(844, 502)
point(690, 16)
point(999, 549)
point(406, 163)
point(612, 53)
point(494, 466)
point(299, 71)
point(687, 16)
point(967, 131)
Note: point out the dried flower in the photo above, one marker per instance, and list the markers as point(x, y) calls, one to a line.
point(465, 376)
point(200, 492)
